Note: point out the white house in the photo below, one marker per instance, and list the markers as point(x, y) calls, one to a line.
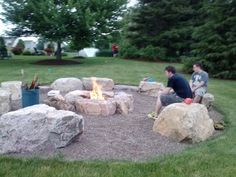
point(30, 42)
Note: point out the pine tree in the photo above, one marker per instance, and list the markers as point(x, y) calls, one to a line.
point(164, 24)
point(215, 40)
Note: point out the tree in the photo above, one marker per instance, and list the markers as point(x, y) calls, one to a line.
point(167, 25)
point(3, 49)
point(215, 40)
point(59, 20)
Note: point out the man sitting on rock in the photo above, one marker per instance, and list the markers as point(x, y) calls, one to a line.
point(176, 91)
point(198, 82)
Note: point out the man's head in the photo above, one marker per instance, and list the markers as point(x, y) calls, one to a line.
point(170, 71)
point(197, 67)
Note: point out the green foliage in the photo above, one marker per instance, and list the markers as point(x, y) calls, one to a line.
point(17, 50)
point(215, 40)
point(81, 21)
point(197, 30)
point(149, 53)
point(40, 44)
point(27, 52)
point(104, 53)
point(3, 49)
point(21, 44)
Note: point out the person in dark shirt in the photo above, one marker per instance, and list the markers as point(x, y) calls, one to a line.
point(175, 83)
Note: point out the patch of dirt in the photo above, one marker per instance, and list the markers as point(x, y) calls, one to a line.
point(56, 62)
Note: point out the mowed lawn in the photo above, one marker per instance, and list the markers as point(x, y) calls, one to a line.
point(214, 158)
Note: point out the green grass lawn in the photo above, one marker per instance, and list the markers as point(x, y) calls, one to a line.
point(214, 158)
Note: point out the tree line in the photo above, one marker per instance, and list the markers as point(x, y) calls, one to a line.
point(185, 31)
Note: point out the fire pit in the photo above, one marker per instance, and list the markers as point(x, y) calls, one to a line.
point(99, 102)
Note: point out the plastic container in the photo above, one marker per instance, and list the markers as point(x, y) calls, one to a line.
point(30, 97)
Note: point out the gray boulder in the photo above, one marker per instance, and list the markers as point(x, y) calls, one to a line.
point(34, 127)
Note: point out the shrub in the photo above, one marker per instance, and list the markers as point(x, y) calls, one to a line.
point(3, 49)
point(104, 53)
point(49, 51)
point(216, 70)
point(17, 50)
point(27, 52)
point(153, 53)
point(21, 44)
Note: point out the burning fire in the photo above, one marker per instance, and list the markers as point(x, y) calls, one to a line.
point(96, 93)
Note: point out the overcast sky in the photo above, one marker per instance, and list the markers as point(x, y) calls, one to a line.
point(4, 27)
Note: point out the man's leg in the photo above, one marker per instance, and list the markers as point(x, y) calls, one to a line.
point(158, 105)
point(199, 93)
point(197, 99)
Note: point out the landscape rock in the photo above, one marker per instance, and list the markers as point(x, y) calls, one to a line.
point(126, 88)
point(66, 85)
point(96, 107)
point(59, 102)
point(106, 83)
point(208, 100)
point(14, 87)
point(150, 88)
point(32, 128)
point(184, 122)
point(124, 103)
point(5, 102)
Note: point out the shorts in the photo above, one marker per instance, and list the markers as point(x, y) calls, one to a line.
point(200, 91)
point(170, 99)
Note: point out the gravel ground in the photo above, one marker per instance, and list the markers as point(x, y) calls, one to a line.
point(119, 137)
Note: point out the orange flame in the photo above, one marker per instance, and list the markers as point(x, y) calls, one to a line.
point(96, 93)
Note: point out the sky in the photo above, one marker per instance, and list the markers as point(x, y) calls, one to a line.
point(4, 27)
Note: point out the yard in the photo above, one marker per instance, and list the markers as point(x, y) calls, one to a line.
point(216, 157)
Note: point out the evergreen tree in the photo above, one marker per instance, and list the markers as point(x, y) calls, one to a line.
point(164, 24)
point(215, 40)
point(3, 49)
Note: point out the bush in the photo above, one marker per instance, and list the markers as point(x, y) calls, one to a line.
point(153, 53)
point(214, 69)
point(3, 49)
point(149, 53)
point(17, 50)
point(21, 44)
point(27, 52)
point(104, 53)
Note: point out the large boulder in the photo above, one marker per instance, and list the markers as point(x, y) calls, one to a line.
point(67, 84)
point(208, 100)
point(105, 83)
point(150, 88)
point(14, 87)
point(184, 122)
point(5, 102)
point(34, 127)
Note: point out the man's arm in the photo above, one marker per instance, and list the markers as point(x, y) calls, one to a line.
point(191, 84)
point(198, 86)
point(165, 91)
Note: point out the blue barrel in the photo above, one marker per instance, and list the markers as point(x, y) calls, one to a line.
point(30, 97)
